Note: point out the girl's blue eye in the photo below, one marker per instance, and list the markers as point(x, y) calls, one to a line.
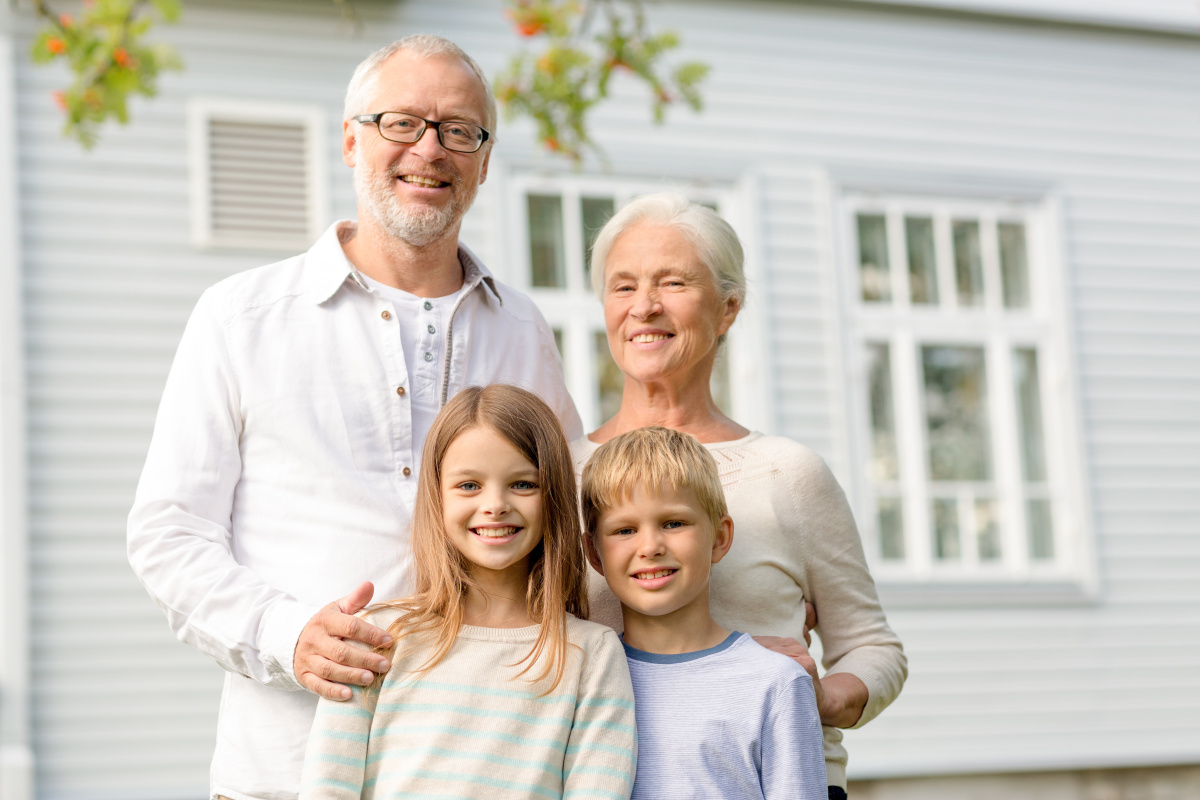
point(525, 485)
point(468, 486)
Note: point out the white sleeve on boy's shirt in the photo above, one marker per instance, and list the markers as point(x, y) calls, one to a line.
point(793, 757)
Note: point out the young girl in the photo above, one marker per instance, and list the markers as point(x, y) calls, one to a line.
point(498, 687)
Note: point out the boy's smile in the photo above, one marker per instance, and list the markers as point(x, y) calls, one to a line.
point(656, 549)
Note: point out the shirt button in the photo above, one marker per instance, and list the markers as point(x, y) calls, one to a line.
point(400, 391)
point(386, 315)
point(429, 356)
point(428, 306)
point(407, 472)
point(432, 329)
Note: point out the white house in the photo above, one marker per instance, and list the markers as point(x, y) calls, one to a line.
point(974, 239)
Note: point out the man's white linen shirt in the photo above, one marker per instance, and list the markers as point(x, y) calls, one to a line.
point(281, 474)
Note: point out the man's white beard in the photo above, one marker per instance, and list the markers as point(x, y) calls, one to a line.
point(418, 225)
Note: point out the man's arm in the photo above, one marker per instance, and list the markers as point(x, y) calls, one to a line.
point(180, 533)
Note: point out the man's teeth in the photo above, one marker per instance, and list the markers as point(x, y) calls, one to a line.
point(658, 573)
point(421, 180)
point(646, 338)
point(495, 533)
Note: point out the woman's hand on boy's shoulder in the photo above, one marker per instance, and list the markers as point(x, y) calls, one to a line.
point(325, 660)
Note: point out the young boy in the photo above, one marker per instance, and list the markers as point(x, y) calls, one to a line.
point(718, 716)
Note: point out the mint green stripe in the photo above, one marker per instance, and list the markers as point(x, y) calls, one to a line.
point(398, 729)
point(345, 736)
point(603, 723)
point(330, 710)
point(345, 761)
point(483, 780)
point(606, 702)
point(606, 771)
point(553, 770)
point(600, 747)
point(464, 688)
point(486, 713)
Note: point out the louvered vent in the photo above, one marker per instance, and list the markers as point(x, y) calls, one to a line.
point(257, 179)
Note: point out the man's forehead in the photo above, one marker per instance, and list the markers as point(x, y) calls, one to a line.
point(443, 81)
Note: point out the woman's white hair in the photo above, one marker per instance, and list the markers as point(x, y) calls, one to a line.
point(716, 244)
point(425, 45)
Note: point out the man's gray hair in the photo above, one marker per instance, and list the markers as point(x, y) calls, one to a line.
point(425, 45)
point(714, 239)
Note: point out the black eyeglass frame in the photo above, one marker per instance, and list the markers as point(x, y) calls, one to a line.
point(437, 127)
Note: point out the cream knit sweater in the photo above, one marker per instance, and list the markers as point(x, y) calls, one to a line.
point(794, 539)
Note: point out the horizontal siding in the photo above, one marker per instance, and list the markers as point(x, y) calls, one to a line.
point(1105, 119)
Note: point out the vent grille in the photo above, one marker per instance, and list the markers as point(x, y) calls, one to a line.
point(260, 180)
point(257, 182)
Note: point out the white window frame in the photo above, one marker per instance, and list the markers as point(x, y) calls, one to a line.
point(1071, 575)
point(579, 314)
point(312, 118)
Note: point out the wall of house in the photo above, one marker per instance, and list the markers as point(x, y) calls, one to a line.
point(1105, 118)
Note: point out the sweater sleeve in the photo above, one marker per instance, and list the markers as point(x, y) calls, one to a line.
point(793, 753)
point(854, 632)
point(335, 763)
point(601, 756)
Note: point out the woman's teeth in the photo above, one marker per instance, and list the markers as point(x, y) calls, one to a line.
point(646, 338)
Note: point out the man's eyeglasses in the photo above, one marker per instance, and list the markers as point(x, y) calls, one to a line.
point(461, 137)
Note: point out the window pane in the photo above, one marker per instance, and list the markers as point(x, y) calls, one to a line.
point(956, 413)
point(1041, 534)
point(609, 379)
point(987, 530)
point(968, 266)
point(945, 530)
point(558, 342)
point(873, 258)
point(891, 528)
point(594, 212)
point(1029, 407)
point(884, 464)
point(922, 265)
point(1014, 265)
point(547, 264)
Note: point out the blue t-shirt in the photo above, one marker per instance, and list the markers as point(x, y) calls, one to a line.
point(736, 722)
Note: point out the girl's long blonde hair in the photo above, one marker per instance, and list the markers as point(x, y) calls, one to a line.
point(557, 577)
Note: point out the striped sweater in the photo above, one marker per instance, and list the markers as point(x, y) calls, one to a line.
point(470, 729)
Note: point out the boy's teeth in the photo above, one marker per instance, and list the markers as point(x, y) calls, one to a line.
point(646, 338)
point(422, 181)
point(495, 533)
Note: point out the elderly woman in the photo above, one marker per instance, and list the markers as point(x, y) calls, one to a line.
point(670, 275)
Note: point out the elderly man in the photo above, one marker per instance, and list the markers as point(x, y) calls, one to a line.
point(283, 466)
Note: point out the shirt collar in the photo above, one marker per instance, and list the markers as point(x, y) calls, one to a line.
point(330, 269)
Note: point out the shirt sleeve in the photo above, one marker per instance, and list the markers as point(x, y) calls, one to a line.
point(180, 532)
point(855, 635)
point(335, 763)
point(793, 752)
point(601, 757)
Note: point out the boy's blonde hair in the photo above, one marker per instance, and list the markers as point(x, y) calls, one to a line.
point(557, 575)
point(653, 457)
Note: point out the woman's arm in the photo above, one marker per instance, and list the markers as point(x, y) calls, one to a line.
point(865, 665)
